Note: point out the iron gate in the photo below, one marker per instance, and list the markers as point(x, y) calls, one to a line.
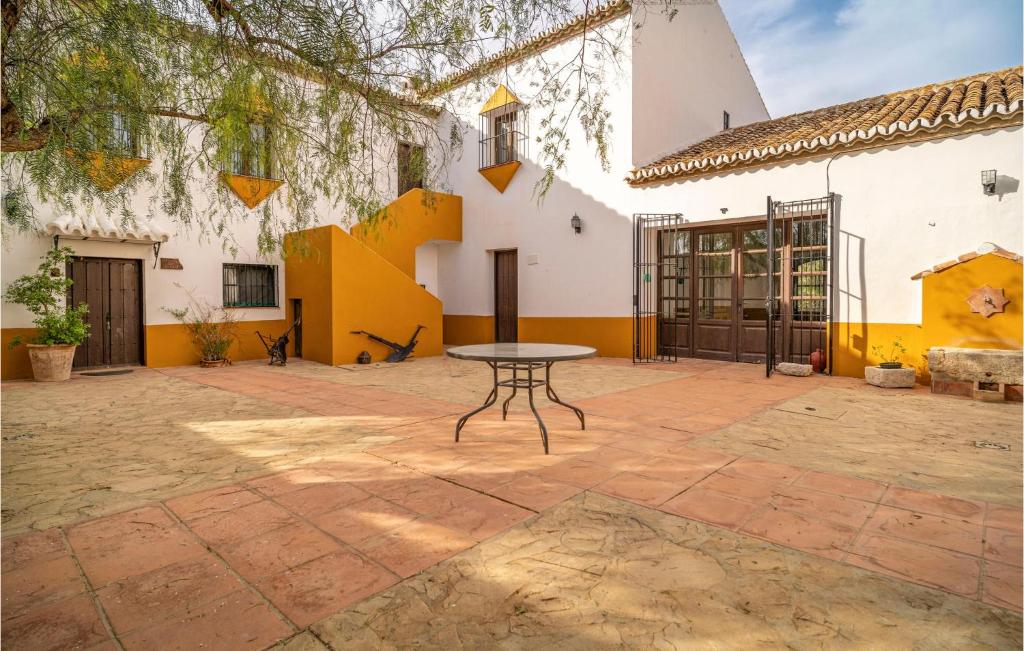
point(659, 285)
point(799, 312)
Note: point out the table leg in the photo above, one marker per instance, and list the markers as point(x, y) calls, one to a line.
point(543, 429)
point(504, 405)
point(553, 397)
point(491, 399)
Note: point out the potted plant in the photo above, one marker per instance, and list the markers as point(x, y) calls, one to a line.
point(890, 359)
point(212, 329)
point(61, 328)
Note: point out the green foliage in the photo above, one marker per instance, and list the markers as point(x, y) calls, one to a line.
point(895, 351)
point(212, 329)
point(336, 85)
point(43, 294)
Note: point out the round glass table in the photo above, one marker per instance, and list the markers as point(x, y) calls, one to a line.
point(521, 359)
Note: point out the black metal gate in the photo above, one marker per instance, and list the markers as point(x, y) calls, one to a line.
point(799, 314)
point(660, 291)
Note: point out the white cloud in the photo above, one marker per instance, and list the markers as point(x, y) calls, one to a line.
point(809, 54)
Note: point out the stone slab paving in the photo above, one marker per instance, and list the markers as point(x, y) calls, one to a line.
point(598, 573)
point(371, 490)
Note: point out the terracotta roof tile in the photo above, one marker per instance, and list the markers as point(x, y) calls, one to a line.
point(984, 249)
point(916, 112)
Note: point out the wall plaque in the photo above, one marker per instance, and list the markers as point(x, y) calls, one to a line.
point(170, 263)
point(987, 301)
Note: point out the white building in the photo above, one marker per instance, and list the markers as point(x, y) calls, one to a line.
point(896, 184)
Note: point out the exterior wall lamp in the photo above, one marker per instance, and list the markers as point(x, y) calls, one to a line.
point(988, 181)
point(577, 223)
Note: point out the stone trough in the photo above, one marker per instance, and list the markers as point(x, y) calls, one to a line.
point(979, 373)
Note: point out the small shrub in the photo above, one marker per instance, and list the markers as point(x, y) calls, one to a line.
point(893, 355)
point(213, 328)
point(43, 294)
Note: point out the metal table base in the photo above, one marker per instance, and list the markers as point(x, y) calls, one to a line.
point(516, 382)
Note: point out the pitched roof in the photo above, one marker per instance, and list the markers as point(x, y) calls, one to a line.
point(928, 111)
point(602, 13)
point(985, 248)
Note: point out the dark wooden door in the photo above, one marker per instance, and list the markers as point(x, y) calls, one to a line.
point(752, 310)
point(715, 325)
point(112, 288)
point(506, 296)
point(297, 320)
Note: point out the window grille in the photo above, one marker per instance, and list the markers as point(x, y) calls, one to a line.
point(253, 157)
point(250, 285)
point(503, 135)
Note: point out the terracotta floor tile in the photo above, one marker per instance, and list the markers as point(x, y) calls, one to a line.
point(1003, 585)
point(238, 621)
point(536, 493)
point(1004, 517)
point(801, 532)
point(701, 456)
point(616, 459)
point(129, 544)
point(242, 523)
point(278, 550)
point(680, 473)
point(1004, 546)
point(834, 508)
point(640, 489)
point(323, 586)
point(69, 624)
point(414, 547)
point(579, 473)
point(322, 498)
point(426, 495)
point(947, 533)
point(747, 468)
point(112, 531)
point(860, 489)
point(150, 598)
point(366, 519)
point(481, 475)
point(480, 516)
point(924, 502)
point(918, 563)
point(744, 489)
point(35, 547)
point(709, 506)
point(39, 582)
point(292, 480)
point(644, 445)
point(218, 500)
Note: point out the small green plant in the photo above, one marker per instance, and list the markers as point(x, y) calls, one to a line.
point(213, 329)
point(43, 294)
point(894, 353)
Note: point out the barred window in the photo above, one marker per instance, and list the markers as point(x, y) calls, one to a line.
point(250, 285)
point(252, 156)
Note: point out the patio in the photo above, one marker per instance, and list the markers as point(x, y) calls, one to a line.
point(314, 507)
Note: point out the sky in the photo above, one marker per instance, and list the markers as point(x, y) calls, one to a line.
point(806, 54)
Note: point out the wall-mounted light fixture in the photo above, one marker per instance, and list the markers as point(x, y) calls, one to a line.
point(988, 181)
point(577, 223)
point(724, 210)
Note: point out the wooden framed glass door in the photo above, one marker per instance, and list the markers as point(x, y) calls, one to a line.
point(715, 325)
point(753, 290)
point(675, 265)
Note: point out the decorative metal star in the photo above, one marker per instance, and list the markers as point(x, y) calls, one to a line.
point(987, 301)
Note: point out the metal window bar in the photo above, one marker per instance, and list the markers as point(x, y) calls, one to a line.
point(250, 285)
point(802, 322)
point(504, 136)
point(661, 259)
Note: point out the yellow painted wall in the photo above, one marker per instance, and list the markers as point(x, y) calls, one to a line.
point(416, 217)
point(852, 345)
point(170, 344)
point(946, 318)
point(14, 364)
point(611, 336)
point(362, 291)
point(466, 329)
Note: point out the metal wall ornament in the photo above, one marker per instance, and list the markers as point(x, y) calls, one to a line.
point(987, 301)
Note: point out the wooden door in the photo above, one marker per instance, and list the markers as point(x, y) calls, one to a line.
point(506, 296)
point(752, 311)
point(297, 320)
point(674, 292)
point(714, 334)
point(112, 288)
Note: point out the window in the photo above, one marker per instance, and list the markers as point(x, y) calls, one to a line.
point(504, 138)
point(250, 285)
point(503, 135)
point(252, 157)
point(411, 163)
point(725, 120)
point(117, 137)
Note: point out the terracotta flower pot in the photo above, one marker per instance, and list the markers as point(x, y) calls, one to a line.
point(51, 363)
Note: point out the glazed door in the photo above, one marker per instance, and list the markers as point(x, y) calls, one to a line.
point(506, 296)
point(714, 328)
point(112, 288)
point(753, 279)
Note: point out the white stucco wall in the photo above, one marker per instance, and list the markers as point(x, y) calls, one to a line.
point(687, 68)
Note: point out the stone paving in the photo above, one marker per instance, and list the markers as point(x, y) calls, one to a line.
point(255, 506)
